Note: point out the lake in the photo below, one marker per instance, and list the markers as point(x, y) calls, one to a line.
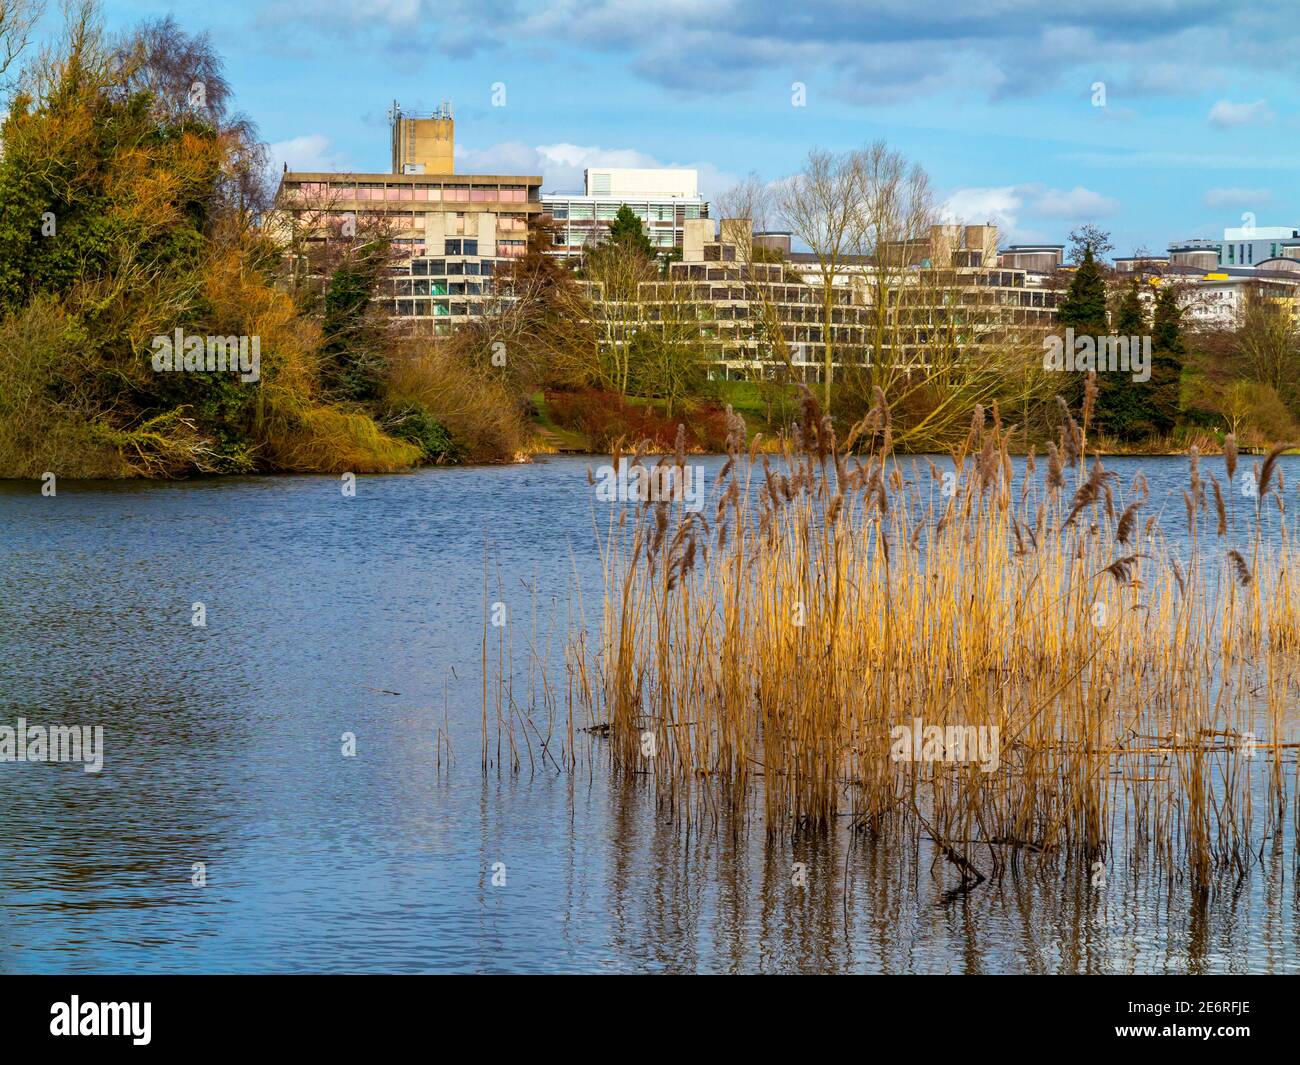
point(329, 615)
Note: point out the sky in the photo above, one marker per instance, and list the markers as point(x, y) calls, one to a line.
point(1158, 120)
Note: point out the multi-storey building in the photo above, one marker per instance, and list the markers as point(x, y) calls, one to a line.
point(1216, 299)
point(665, 200)
point(755, 306)
point(449, 231)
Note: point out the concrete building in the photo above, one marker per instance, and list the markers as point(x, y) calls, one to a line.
point(1033, 258)
point(664, 199)
point(450, 231)
point(423, 144)
point(949, 291)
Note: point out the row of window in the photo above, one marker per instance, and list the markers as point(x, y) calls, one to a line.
point(445, 268)
point(437, 287)
point(607, 212)
point(416, 193)
point(580, 238)
point(432, 309)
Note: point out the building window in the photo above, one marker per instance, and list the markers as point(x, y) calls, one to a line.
point(471, 247)
point(453, 247)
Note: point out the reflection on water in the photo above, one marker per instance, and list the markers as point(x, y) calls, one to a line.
point(223, 747)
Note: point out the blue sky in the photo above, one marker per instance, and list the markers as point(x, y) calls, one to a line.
point(995, 98)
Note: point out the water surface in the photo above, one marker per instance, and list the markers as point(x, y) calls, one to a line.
point(329, 615)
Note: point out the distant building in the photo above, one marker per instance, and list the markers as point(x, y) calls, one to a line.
point(450, 231)
point(947, 290)
point(1215, 299)
point(1141, 264)
point(664, 199)
point(1244, 247)
point(1033, 258)
point(777, 241)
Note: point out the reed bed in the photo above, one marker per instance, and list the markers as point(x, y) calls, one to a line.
point(767, 650)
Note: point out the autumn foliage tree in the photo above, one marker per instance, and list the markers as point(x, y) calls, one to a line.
point(127, 209)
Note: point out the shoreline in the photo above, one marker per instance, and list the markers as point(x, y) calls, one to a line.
point(540, 456)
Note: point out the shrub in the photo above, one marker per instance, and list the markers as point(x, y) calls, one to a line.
point(483, 416)
point(421, 428)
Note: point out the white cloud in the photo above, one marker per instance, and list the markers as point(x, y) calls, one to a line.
point(1227, 115)
point(1007, 206)
point(1076, 204)
point(1237, 197)
point(974, 206)
point(310, 152)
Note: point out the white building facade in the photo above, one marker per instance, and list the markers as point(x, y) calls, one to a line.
point(664, 199)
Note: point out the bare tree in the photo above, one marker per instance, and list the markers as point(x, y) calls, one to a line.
point(18, 19)
point(758, 266)
point(612, 301)
point(1268, 340)
point(820, 204)
point(893, 231)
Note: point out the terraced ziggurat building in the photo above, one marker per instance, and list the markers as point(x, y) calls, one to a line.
point(754, 306)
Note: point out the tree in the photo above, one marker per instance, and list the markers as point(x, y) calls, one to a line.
point(627, 231)
point(1084, 307)
point(536, 325)
point(1167, 353)
point(1088, 241)
point(1253, 412)
point(1123, 405)
point(611, 300)
point(668, 356)
point(821, 206)
point(1084, 310)
point(1267, 339)
point(353, 331)
point(116, 236)
point(903, 286)
point(18, 18)
point(771, 370)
